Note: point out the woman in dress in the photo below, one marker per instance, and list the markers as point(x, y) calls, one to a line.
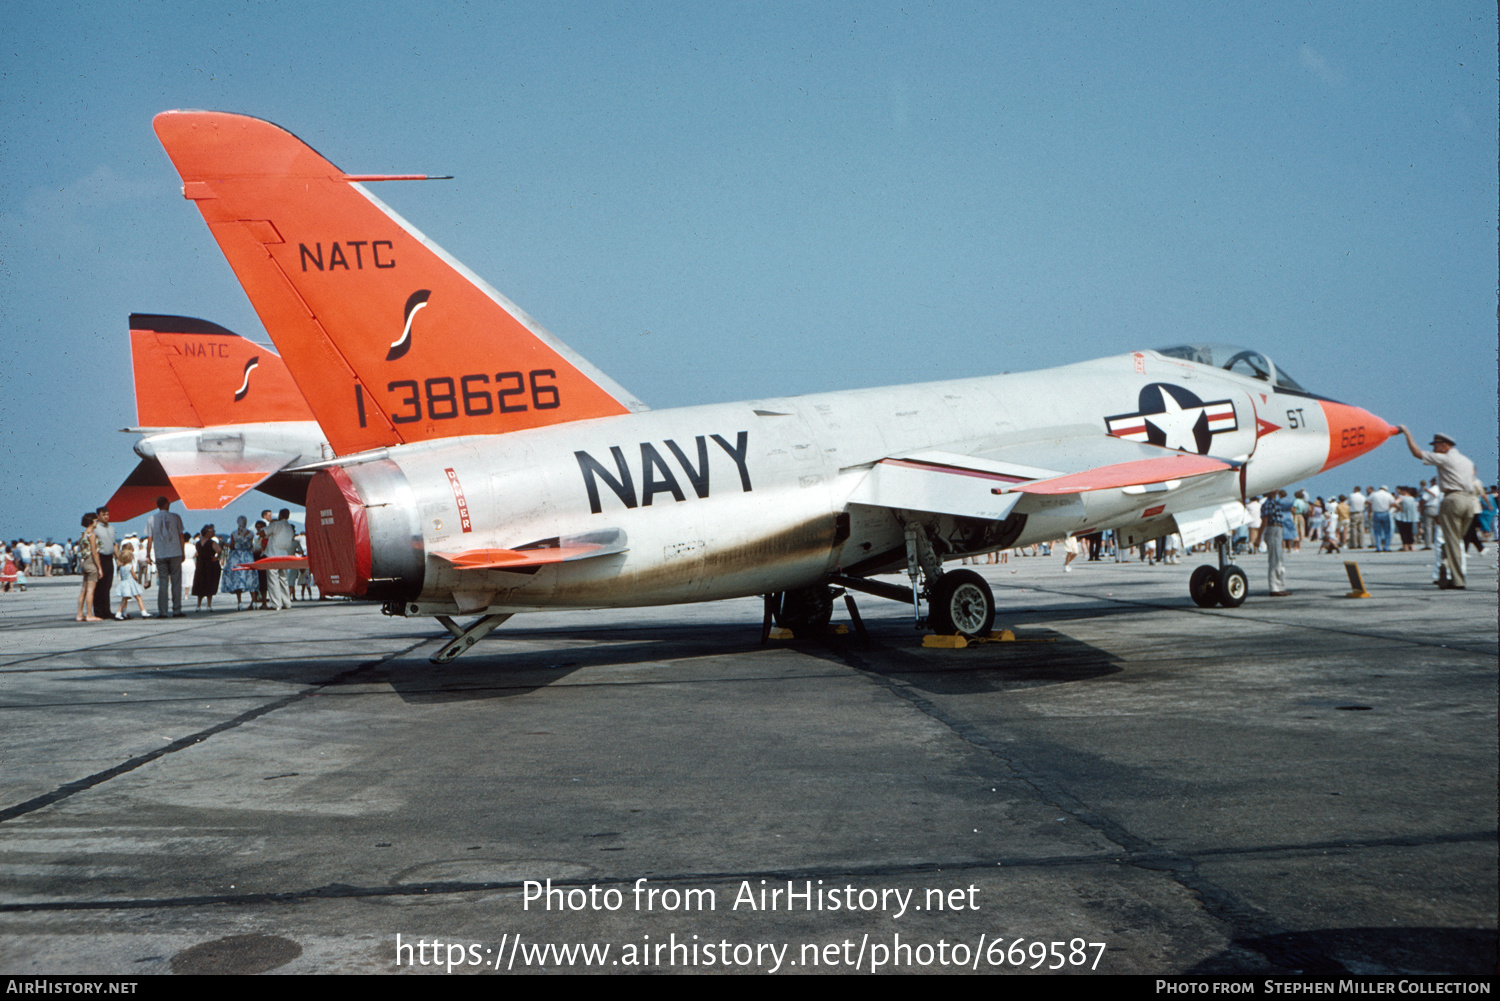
point(241, 550)
point(88, 566)
point(206, 568)
point(189, 557)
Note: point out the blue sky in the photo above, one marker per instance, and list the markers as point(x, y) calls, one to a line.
point(723, 201)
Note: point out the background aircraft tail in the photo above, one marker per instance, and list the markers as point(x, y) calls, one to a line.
point(138, 493)
point(389, 338)
point(190, 373)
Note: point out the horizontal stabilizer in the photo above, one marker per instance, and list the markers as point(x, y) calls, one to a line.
point(138, 493)
point(275, 563)
point(213, 480)
point(539, 554)
point(515, 559)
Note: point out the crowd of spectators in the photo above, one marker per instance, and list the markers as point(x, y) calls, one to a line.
point(1366, 517)
point(1369, 518)
point(115, 571)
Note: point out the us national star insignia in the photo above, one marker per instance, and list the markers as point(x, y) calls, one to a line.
point(1173, 417)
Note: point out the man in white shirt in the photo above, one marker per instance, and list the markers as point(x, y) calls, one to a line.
point(280, 541)
point(1460, 500)
point(164, 545)
point(1356, 519)
point(104, 535)
point(1379, 504)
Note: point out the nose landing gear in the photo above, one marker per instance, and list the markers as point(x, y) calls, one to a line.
point(1224, 585)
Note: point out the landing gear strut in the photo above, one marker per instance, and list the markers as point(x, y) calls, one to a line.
point(959, 602)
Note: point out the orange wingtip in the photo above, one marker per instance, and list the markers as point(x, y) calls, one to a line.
point(513, 559)
point(1124, 474)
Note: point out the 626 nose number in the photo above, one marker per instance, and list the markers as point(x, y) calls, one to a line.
point(445, 396)
point(1352, 437)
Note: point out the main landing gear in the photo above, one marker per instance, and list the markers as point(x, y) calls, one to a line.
point(1224, 585)
point(959, 602)
point(807, 611)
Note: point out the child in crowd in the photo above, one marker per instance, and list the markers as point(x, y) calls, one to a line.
point(126, 584)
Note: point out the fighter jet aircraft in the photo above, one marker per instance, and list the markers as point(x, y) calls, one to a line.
point(484, 468)
point(220, 415)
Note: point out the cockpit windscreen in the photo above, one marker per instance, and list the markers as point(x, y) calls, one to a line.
point(1232, 358)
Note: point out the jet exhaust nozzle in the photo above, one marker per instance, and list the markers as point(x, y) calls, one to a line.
point(363, 540)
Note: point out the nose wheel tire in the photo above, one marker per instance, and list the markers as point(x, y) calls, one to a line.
point(1234, 586)
point(1204, 586)
point(961, 603)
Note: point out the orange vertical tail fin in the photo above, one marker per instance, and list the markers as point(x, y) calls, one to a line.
point(389, 338)
point(192, 373)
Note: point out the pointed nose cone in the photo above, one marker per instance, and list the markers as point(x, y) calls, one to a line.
point(1352, 432)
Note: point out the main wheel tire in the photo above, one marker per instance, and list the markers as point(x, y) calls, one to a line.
point(1234, 587)
point(962, 603)
point(1204, 586)
point(805, 610)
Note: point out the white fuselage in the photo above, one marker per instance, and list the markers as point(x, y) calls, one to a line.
point(756, 496)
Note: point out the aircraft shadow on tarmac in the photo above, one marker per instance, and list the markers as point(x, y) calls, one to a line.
point(1037, 658)
point(1343, 951)
point(894, 650)
point(490, 673)
point(496, 668)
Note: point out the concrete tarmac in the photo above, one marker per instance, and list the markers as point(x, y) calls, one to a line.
point(1135, 785)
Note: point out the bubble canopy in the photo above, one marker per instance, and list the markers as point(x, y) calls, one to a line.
point(1233, 358)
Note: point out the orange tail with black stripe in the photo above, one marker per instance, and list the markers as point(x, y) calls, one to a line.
point(390, 339)
point(190, 373)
